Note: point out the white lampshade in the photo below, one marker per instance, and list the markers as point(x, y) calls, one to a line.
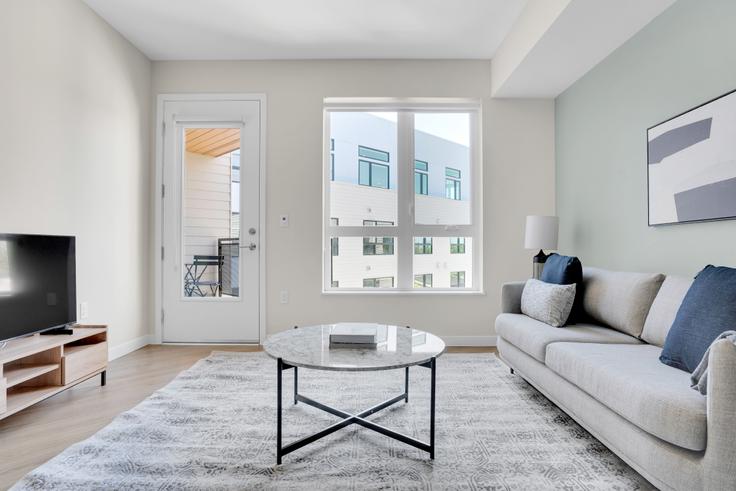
point(541, 232)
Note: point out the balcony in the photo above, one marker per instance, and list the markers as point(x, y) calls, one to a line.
point(214, 275)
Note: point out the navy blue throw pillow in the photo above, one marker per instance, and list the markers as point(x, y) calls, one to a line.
point(708, 309)
point(566, 270)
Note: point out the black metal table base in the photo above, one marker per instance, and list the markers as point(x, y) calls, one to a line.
point(351, 419)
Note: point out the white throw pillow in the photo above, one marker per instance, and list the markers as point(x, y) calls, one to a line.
point(547, 302)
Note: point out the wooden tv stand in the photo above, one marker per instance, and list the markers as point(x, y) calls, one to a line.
point(36, 367)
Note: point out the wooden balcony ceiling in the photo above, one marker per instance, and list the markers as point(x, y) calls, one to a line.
point(212, 141)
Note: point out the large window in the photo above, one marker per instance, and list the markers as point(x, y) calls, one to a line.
point(397, 223)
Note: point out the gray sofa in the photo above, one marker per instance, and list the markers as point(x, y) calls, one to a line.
point(606, 374)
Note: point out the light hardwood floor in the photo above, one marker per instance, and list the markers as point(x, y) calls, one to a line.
point(31, 437)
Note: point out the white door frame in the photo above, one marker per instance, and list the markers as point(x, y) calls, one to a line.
point(158, 208)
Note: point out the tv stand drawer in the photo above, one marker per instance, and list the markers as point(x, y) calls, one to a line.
point(82, 359)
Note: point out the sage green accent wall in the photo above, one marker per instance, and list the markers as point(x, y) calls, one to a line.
point(683, 58)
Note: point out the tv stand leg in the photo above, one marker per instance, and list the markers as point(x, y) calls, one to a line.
point(103, 378)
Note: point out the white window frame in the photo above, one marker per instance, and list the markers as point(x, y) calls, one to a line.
point(406, 229)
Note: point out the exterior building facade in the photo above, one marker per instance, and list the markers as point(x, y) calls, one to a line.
point(363, 192)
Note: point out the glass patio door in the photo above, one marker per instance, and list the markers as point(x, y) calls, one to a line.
point(210, 256)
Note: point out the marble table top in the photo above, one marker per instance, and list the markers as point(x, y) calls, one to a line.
point(398, 347)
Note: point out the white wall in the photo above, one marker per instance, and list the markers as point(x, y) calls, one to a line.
point(518, 159)
point(74, 139)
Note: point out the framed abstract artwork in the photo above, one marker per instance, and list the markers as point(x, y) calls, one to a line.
point(691, 164)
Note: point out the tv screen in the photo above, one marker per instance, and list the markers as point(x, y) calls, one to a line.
point(37, 283)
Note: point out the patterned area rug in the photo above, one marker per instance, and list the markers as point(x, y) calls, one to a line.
point(214, 427)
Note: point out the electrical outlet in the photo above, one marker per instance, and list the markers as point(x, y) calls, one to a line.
point(284, 296)
point(284, 220)
point(83, 310)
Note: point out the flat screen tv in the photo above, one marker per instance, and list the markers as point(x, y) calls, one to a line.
point(37, 284)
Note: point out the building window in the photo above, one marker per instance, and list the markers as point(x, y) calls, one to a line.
point(389, 217)
point(421, 177)
point(234, 193)
point(373, 174)
point(452, 183)
point(422, 245)
point(373, 154)
point(332, 159)
point(384, 282)
point(334, 241)
point(377, 246)
point(457, 245)
point(423, 280)
point(457, 279)
point(235, 166)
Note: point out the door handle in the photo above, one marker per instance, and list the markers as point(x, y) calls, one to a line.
point(252, 246)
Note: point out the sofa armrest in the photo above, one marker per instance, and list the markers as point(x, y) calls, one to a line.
point(720, 454)
point(511, 297)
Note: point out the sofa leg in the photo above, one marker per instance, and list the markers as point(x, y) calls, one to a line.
point(511, 370)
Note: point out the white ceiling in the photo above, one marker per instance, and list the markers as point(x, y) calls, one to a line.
point(311, 29)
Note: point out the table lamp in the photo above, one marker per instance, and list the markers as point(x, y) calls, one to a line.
point(541, 233)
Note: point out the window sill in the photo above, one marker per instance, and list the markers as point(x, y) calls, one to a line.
point(410, 293)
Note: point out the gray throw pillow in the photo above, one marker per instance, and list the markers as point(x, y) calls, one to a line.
point(547, 302)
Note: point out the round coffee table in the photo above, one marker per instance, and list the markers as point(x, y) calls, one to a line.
point(397, 347)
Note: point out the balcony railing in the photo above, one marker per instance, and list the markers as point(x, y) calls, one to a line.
point(229, 252)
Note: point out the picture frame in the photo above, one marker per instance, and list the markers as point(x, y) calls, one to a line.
point(691, 164)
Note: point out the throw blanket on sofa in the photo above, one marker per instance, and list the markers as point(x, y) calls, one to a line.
point(699, 377)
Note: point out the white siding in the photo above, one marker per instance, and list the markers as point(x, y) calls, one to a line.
point(433, 210)
point(351, 266)
point(352, 203)
point(441, 263)
point(206, 205)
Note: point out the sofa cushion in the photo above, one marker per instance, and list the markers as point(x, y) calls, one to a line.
point(547, 302)
point(708, 309)
point(566, 270)
point(664, 309)
point(618, 299)
point(632, 382)
point(532, 336)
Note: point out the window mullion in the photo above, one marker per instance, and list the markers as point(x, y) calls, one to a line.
point(405, 171)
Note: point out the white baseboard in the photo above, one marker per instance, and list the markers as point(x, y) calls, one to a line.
point(123, 349)
point(137, 343)
point(469, 340)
